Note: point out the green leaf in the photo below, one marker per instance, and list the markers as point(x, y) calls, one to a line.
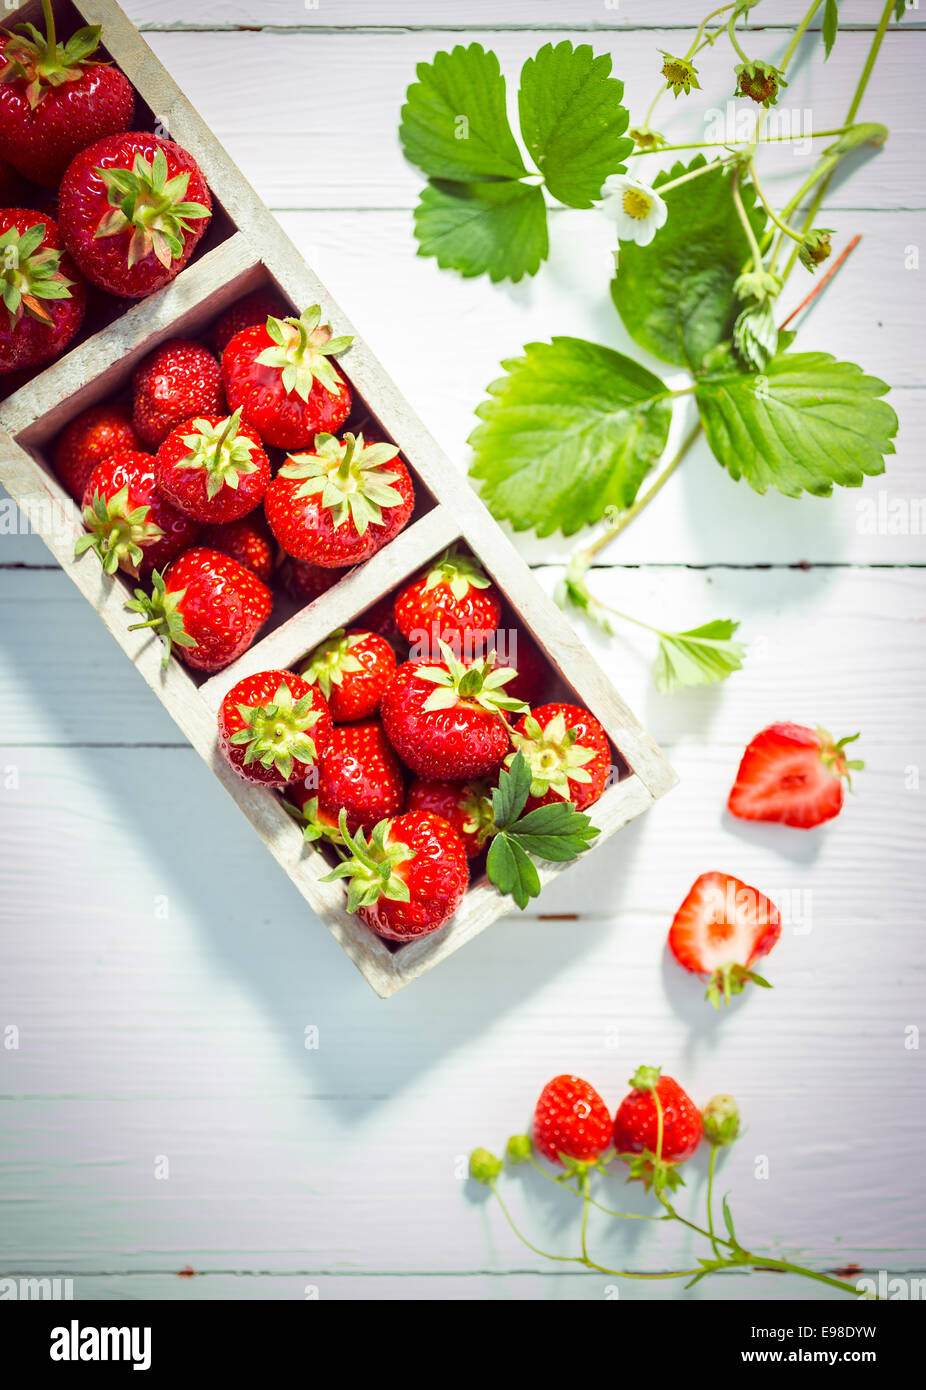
point(455, 120)
point(808, 422)
point(557, 832)
point(572, 429)
point(701, 656)
point(573, 120)
point(509, 796)
point(900, 9)
point(498, 229)
point(675, 296)
point(512, 870)
point(830, 26)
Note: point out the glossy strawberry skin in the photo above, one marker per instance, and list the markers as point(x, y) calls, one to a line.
point(636, 1122)
point(360, 774)
point(436, 879)
point(247, 312)
point(178, 381)
point(186, 488)
point(248, 541)
point(41, 142)
point(783, 779)
point(305, 529)
point(589, 734)
point(224, 607)
point(83, 203)
point(135, 471)
point(281, 417)
point(571, 1119)
point(90, 438)
point(26, 342)
point(436, 614)
point(359, 693)
point(257, 690)
point(451, 801)
point(303, 581)
point(453, 744)
point(723, 920)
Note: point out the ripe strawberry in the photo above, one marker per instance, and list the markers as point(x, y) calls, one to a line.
point(352, 669)
point(445, 720)
point(303, 581)
point(43, 293)
point(525, 656)
point(207, 604)
point(466, 805)
point(381, 618)
point(568, 752)
point(213, 468)
point(792, 775)
point(273, 728)
point(408, 878)
point(360, 774)
point(342, 503)
point(247, 541)
point(90, 438)
point(280, 376)
point(453, 601)
point(572, 1124)
point(653, 1146)
point(176, 382)
point(129, 524)
point(107, 202)
point(54, 100)
point(248, 312)
point(721, 928)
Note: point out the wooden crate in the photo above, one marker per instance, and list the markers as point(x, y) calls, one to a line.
point(244, 248)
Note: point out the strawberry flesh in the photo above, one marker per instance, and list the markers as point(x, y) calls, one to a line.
point(791, 775)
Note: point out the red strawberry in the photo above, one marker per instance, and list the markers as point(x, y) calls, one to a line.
point(360, 774)
point(303, 581)
point(792, 775)
point(42, 291)
point(273, 728)
point(568, 752)
point(280, 376)
point(207, 604)
point(720, 929)
point(571, 1121)
point(445, 720)
point(352, 669)
point(54, 100)
point(342, 503)
point(453, 601)
point(381, 618)
point(248, 312)
point(247, 541)
point(129, 524)
point(408, 878)
point(213, 468)
point(107, 204)
point(653, 1147)
point(466, 805)
point(90, 438)
point(176, 382)
point(522, 652)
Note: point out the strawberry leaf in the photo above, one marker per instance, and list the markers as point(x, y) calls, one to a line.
point(557, 832)
point(572, 429)
point(513, 788)
point(830, 26)
point(701, 656)
point(807, 422)
point(455, 121)
point(512, 870)
point(497, 229)
point(573, 121)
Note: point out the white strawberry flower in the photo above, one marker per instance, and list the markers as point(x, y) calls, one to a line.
point(636, 208)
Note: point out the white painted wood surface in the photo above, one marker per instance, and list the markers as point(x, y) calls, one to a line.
point(164, 1012)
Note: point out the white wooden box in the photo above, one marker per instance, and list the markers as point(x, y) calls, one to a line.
point(244, 248)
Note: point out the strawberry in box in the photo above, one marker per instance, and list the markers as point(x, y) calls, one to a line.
point(43, 292)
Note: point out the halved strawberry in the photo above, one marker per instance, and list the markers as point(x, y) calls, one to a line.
point(792, 775)
point(720, 930)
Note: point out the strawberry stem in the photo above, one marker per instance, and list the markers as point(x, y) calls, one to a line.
point(51, 46)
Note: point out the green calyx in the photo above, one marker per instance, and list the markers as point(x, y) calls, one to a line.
point(39, 60)
point(302, 347)
point(331, 661)
point(372, 866)
point(832, 754)
point(645, 1078)
point(484, 1167)
point(29, 274)
point(653, 1172)
point(276, 735)
point(759, 81)
point(478, 812)
point(117, 532)
point(310, 822)
point(731, 979)
point(459, 571)
point(144, 199)
point(554, 757)
point(815, 248)
point(479, 683)
point(221, 451)
point(680, 74)
point(161, 612)
point(721, 1120)
point(350, 477)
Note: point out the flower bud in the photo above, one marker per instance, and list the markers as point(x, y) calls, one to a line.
point(484, 1166)
point(518, 1148)
point(815, 247)
point(721, 1118)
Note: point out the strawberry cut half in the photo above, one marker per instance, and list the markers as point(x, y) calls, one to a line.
point(792, 775)
point(720, 930)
